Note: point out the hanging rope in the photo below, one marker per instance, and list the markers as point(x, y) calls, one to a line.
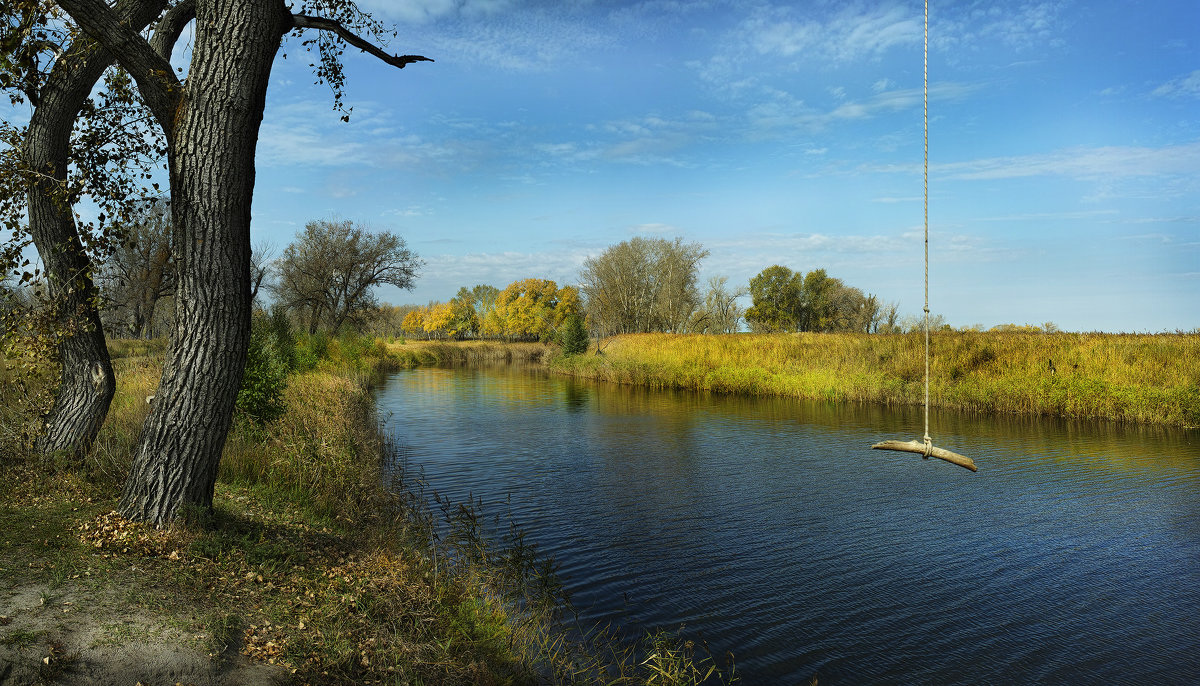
point(925, 123)
point(926, 448)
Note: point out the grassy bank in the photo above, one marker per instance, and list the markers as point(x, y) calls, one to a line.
point(319, 564)
point(450, 353)
point(1137, 378)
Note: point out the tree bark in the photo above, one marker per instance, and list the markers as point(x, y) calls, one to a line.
point(212, 124)
point(212, 180)
point(87, 383)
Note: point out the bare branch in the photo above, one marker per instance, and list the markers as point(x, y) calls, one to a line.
point(304, 21)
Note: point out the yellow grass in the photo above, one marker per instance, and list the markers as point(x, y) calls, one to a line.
point(468, 352)
point(1138, 378)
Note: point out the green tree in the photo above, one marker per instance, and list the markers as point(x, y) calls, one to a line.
point(465, 317)
point(817, 309)
point(484, 298)
point(260, 396)
point(777, 296)
point(574, 336)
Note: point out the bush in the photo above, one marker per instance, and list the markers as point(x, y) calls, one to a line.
point(285, 338)
point(263, 382)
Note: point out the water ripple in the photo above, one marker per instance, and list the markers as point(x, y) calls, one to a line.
point(768, 528)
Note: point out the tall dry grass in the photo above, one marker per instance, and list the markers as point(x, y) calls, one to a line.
point(324, 449)
point(386, 580)
point(448, 353)
point(1137, 378)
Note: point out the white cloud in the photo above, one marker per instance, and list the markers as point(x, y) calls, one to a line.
point(1187, 86)
point(511, 37)
point(1021, 26)
point(651, 139)
point(852, 34)
point(444, 274)
point(785, 112)
point(1085, 163)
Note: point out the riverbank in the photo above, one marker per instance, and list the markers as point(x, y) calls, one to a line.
point(319, 564)
point(1153, 379)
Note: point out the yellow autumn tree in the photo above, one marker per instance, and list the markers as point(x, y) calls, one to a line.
point(569, 303)
point(440, 319)
point(525, 309)
point(414, 321)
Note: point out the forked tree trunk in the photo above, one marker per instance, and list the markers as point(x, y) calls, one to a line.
point(212, 181)
point(87, 384)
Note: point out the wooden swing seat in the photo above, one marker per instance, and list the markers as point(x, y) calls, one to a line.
point(919, 448)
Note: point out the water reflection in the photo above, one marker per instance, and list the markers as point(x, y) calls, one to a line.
point(769, 527)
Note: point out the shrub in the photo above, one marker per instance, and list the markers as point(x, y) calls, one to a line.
point(261, 394)
point(285, 338)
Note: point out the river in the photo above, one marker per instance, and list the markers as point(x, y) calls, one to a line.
point(769, 528)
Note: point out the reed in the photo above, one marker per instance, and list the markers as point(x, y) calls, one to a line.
point(449, 353)
point(1125, 377)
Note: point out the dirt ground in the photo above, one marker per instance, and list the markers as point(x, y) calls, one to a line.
point(79, 633)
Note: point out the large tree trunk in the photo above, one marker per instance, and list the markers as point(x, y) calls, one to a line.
point(212, 181)
point(87, 383)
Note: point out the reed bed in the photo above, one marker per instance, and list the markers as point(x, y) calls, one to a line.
point(448, 353)
point(1152, 379)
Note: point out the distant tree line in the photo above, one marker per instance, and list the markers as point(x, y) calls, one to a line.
point(325, 280)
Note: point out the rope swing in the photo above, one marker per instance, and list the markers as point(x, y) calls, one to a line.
point(926, 447)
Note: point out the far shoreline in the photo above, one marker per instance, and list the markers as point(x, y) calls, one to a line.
point(1149, 379)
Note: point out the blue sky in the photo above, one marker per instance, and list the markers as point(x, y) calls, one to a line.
point(1064, 147)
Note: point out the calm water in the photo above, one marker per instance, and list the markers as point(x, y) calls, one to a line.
point(769, 528)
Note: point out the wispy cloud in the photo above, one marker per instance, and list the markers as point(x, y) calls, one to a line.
point(854, 33)
point(1027, 216)
point(650, 139)
point(782, 111)
point(424, 11)
point(1021, 26)
point(501, 35)
point(306, 134)
point(292, 135)
point(1187, 86)
point(501, 269)
point(1084, 163)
